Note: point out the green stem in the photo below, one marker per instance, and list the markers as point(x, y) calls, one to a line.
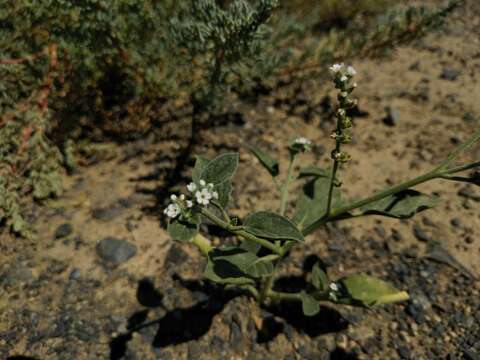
point(462, 168)
point(284, 189)
point(284, 296)
point(242, 233)
point(332, 184)
point(202, 243)
point(375, 197)
point(458, 150)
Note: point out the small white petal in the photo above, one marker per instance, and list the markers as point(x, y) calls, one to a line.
point(182, 197)
point(173, 197)
point(189, 203)
point(333, 287)
point(192, 187)
point(344, 78)
point(202, 183)
point(351, 71)
point(210, 185)
point(215, 195)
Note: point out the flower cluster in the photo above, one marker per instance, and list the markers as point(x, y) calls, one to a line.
point(342, 77)
point(333, 291)
point(204, 193)
point(300, 144)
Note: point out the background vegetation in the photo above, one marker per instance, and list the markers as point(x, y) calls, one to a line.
point(94, 69)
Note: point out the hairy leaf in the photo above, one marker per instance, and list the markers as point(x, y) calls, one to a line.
point(224, 190)
point(266, 160)
point(200, 164)
point(182, 230)
point(220, 169)
point(404, 204)
point(312, 203)
point(272, 226)
point(319, 278)
point(310, 305)
point(365, 290)
point(234, 265)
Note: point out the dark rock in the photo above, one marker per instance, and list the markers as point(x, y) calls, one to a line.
point(450, 74)
point(468, 117)
point(107, 213)
point(456, 222)
point(17, 273)
point(392, 116)
point(115, 250)
point(468, 193)
point(420, 233)
point(74, 274)
point(404, 352)
point(175, 257)
point(63, 230)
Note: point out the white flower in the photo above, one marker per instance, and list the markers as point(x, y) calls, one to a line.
point(202, 183)
point(334, 287)
point(203, 197)
point(182, 197)
point(192, 187)
point(335, 68)
point(215, 195)
point(189, 204)
point(344, 94)
point(210, 185)
point(351, 71)
point(343, 78)
point(303, 141)
point(173, 197)
point(172, 211)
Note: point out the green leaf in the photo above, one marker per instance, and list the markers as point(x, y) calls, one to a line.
point(402, 205)
point(266, 160)
point(310, 305)
point(182, 230)
point(250, 246)
point(317, 172)
point(234, 265)
point(224, 190)
point(220, 169)
point(272, 226)
point(319, 278)
point(367, 291)
point(200, 164)
point(312, 203)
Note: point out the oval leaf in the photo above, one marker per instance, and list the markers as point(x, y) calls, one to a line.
point(200, 164)
point(310, 305)
point(181, 230)
point(402, 205)
point(220, 169)
point(234, 265)
point(266, 160)
point(365, 290)
point(224, 191)
point(319, 278)
point(272, 226)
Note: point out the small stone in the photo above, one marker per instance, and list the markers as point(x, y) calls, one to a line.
point(392, 116)
point(404, 352)
point(450, 74)
point(63, 231)
point(456, 222)
point(74, 274)
point(108, 213)
point(468, 193)
point(115, 250)
point(420, 233)
point(468, 117)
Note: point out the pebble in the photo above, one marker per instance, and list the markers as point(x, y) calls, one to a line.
point(392, 116)
point(115, 250)
point(450, 74)
point(420, 234)
point(468, 117)
point(63, 231)
point(468, 193)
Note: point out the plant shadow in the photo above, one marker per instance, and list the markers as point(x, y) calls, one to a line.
point(181, 325)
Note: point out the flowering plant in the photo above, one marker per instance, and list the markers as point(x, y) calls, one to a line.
point(266, 238)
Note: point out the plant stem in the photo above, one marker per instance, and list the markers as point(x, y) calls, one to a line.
point(242, 233)
point(375, 197)
point(286, 184)
point(279, 296)
point(202, 243)
point(332, 181)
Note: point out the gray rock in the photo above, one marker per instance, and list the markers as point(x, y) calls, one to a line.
point(392, 117)
point(115, 250)
point(450, 74)
point(108, 213)
point(63, 231)
point(420, 234)
point(17, 273)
